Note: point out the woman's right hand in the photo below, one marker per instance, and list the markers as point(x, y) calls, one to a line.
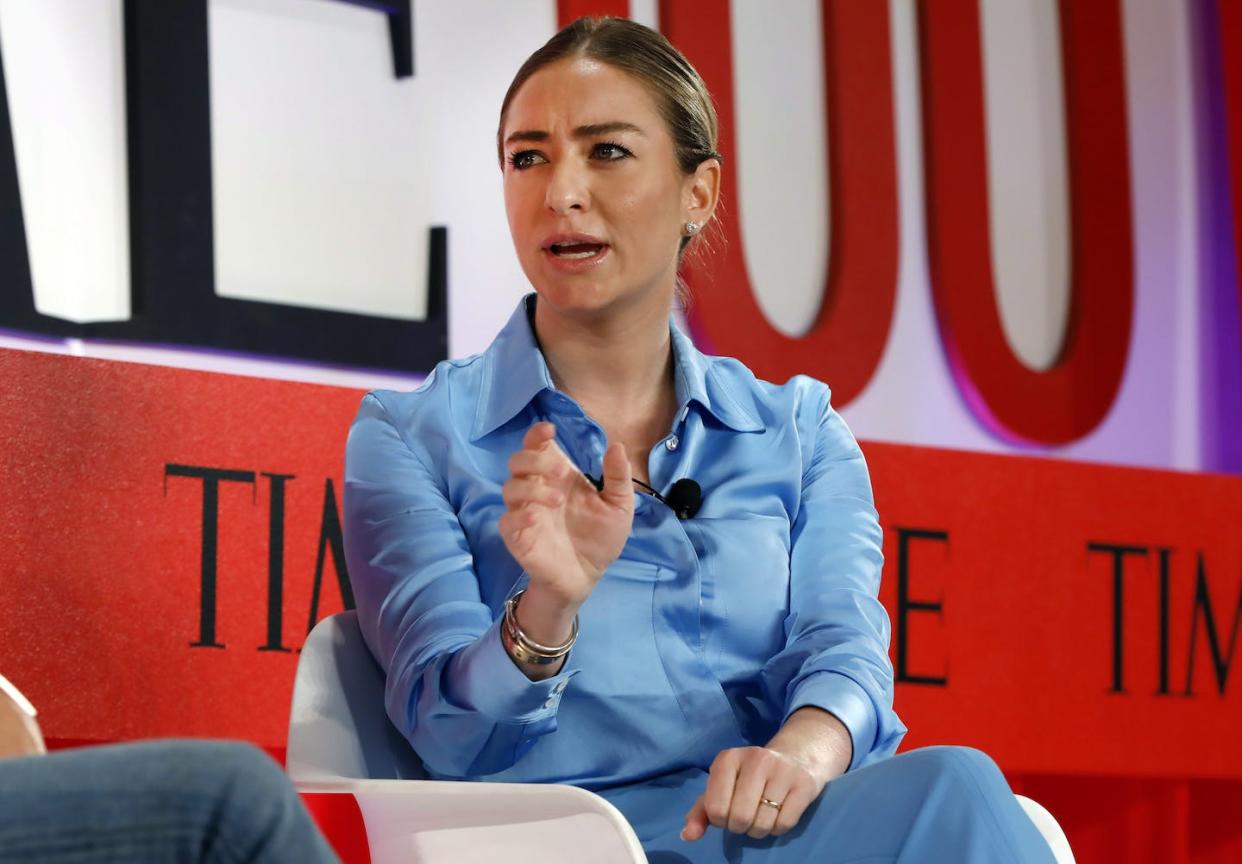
point(562, 531)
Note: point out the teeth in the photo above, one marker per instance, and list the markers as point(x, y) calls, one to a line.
point(576, 250)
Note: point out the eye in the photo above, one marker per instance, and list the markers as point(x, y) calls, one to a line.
point(524, 159)
point(610, 152)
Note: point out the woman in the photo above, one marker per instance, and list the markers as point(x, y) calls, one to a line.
point(722, 678)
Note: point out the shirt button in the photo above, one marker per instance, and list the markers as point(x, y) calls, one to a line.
point(671, 443)
point(550, 703)
point(560, 687)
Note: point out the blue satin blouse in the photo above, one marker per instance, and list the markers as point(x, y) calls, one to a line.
point(704, 634)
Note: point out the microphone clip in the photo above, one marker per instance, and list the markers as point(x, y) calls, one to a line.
point(684, 497)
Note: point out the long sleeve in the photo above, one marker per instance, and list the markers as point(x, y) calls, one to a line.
point(451, 688)
point(837, 632)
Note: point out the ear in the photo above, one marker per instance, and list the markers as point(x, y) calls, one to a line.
point(700, 192)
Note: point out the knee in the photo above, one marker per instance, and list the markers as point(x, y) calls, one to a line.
point(239, 782)
point(966, 758)
point(240, 762)
point(247, 781)
point(219, 765)
point(969, 771)
point(252, 799)
point(952, 758)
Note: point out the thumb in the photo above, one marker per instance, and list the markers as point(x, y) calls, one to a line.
point(696, 822)
point(618, 488)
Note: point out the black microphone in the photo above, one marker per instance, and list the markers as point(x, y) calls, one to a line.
point(684, 498)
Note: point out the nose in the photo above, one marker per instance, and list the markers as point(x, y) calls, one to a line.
point(567, 189)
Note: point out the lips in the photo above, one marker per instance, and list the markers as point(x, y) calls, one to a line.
point(575, 252)
point(572, 243)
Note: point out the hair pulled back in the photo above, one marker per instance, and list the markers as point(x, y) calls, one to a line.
point(680, 93)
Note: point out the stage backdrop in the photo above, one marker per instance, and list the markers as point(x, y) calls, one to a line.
point(1004, 228)
point(997, 225)
point(170, 536)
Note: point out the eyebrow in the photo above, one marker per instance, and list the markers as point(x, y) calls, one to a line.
point(591, 130)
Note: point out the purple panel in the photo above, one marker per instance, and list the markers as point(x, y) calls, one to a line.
point(1220, 339)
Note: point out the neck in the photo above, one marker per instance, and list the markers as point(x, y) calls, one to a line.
point(619, 358)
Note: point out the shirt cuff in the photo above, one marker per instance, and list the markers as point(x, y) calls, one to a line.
point(492, 683)
point(845, 700)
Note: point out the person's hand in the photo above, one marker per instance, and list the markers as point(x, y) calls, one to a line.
point(562, 531)
point(738, 779)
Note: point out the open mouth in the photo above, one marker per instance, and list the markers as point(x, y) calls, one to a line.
point(576, 251)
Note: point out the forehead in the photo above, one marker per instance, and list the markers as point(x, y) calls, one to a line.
point(579, 92)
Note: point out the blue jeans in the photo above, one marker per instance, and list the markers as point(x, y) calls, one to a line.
point(154, 801)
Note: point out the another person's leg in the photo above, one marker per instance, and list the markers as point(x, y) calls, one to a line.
point(154, 801)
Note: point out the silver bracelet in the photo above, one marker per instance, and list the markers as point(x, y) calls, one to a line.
point(527, 650)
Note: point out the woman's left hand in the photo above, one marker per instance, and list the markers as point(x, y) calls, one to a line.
point(811, 748)
point(738, 779)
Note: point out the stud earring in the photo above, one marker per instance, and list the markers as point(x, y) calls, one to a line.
point(692, 227)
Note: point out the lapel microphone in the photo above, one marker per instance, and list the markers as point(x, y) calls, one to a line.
point(684, 498)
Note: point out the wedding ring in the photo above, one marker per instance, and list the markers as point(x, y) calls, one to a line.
point(770, 803)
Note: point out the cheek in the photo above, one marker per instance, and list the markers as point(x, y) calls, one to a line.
point(650, 213)
point(517, 212)
point(510, 207)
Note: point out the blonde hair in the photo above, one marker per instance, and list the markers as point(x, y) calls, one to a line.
point(679, 91)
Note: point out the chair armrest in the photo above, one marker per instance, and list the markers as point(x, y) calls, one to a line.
point(460, 823)
point(1049, 828)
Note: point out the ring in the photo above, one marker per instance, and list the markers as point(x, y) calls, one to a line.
point(770, 803)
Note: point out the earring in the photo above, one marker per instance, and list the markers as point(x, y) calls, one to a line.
point(692, 227)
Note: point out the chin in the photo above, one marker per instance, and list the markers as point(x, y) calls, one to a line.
point(577, 295)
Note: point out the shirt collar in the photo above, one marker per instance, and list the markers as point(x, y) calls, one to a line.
point(697, 380)
point(515, 372)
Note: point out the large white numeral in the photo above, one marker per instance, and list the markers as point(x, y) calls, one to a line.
point(782, 155)
point(322, 160)
point(1027, 182)
point(64, 66)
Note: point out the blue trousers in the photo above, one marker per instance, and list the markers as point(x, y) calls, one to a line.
point(154, 801)
point(935, 804)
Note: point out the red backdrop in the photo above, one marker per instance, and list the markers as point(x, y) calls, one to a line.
point(1077, 622)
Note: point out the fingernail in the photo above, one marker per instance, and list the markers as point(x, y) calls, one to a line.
point(683, 835)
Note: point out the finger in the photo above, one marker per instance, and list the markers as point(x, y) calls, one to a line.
point(794, 804)
point(518, 492)
point(513, 526)
point(538, 435)
point(544, 462)
point(777, 790)
point(696, 822)
point(618, 488)
point(752, 777)
point(719, 793)
point(514, 522)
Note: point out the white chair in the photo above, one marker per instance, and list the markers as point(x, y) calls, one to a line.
point(1048, 826)
point(19, 729)
point(340, 741)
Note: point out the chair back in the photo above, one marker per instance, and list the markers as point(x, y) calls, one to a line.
point(338, 728)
